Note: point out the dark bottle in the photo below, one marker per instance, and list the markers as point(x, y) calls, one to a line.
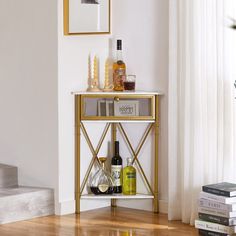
point(116, 169)
point(101, 182)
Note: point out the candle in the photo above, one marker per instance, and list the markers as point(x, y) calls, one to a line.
point(95, 69)
point(107, 73)
point(89, 67)
point(107, 86)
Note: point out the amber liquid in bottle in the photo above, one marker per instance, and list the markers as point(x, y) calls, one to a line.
point(119, 69)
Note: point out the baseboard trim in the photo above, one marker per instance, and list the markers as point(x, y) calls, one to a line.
point(163, 206)
point(65, 208)
point(68, 207)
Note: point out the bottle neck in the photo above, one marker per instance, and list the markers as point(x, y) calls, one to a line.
point(117, 149)
point(129, 162)
point(103, 165)
point(119, 56)
point(117, 152)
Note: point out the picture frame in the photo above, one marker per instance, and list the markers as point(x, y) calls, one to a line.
point(109, 108)
point(87, 17)
point(126, 108)
point(102, 108)
point(105, 108)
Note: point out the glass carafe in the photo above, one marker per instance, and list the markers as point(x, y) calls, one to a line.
point(101, 182)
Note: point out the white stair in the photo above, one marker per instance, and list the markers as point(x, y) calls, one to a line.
point(8, 176)
point(22, 203)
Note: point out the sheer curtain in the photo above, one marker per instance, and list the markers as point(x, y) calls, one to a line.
point(202, 110)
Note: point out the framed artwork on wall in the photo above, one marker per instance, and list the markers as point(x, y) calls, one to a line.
point(87, 17)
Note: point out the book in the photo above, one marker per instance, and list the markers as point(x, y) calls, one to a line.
point(223, 189)
point(217, 212)
point(217, 198)
point(217, 219)
point(210, 233)
point(200, 224)
point(216, 205)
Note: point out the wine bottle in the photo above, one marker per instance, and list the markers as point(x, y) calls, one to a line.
point(119, 69)
point(129, 178)
point(116, 169)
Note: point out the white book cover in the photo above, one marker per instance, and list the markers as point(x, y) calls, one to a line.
point(217, 198)
point(216, 205)
point(200, 224)
point(217, 212)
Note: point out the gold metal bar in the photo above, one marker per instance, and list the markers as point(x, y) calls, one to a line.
point(118, 118)
point(66, 16)
point(126, 96)
point(114, 137)
point(102, 137)
point(136, 153)
point(144, 138)
point(156, 205)
point(153, 107)
point(113, 203)
point(135, 156)
point(94, 152)
point(88, 139)
point(77, 152)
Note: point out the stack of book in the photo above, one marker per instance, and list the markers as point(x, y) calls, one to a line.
point(217, 210)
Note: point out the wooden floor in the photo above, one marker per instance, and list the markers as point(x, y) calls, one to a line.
point(103, 222)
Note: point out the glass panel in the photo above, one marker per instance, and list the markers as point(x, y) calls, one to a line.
point(117, 107)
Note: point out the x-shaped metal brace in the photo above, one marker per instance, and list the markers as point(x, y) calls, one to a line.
point(136, 153)
point(95, 152)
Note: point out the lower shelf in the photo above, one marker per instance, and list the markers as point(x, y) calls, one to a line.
point(117, 196)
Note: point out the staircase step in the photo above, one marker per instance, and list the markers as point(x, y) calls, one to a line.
point(8, 176)
point(23, 203)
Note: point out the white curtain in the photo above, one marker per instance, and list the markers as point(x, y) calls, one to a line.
point(202, 110)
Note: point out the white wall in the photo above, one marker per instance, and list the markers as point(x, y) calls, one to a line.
point(143, 26)
point(73, 54)
point(28, 89)
point(28, 84)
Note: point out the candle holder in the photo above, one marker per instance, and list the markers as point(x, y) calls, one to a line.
point(108, 87)
point(94, 83)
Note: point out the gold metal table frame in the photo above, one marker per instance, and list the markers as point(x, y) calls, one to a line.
point(115, 126)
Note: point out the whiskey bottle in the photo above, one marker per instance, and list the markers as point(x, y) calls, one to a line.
point(129, 178)
point(119, 69)
point(116, 169)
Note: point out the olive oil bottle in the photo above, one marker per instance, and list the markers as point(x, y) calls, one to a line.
point(129, 178)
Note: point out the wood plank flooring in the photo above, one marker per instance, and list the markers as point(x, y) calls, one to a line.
point(102, 222)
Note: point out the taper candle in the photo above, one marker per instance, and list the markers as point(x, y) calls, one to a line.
point(95, 70)
point(89, 67)
point(107, 86)
point(106, 73)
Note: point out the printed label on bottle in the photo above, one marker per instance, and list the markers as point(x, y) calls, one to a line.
point(131, 175)
point(116, 174)
point(103, 187)
point(119, 77)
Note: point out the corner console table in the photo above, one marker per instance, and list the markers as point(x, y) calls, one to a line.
point(115, 108)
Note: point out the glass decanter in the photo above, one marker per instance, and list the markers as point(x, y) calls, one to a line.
point(101, 182)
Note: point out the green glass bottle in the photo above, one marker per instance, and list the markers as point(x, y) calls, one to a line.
point(129, 178)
